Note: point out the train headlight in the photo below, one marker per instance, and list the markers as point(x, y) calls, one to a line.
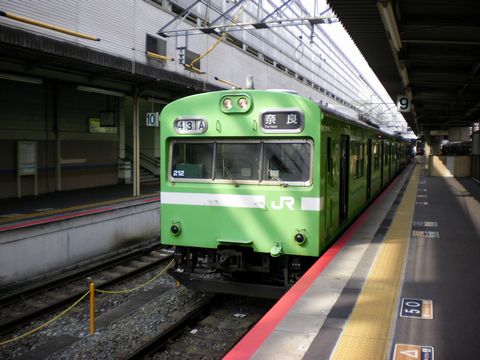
point(227, 103)
point(176, 229)
point(242, 103)
point(234, 103)
point(300, 237)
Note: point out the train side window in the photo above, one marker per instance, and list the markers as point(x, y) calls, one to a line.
point(386, 152)
point(376, 157)
point(353, 159)
point(361, 160)
point(357, 159)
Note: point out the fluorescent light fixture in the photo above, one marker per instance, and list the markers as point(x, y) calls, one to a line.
point(409, 93)
point(404, 76)
point(100, 91)
point(25, 79)
point(388, 18)
point(158, 101)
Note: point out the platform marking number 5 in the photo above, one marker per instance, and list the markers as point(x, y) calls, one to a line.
point(416, 308)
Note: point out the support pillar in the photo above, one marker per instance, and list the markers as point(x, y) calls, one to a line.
point(136, 143)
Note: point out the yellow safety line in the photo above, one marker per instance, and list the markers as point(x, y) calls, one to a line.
point(367, 332)
point(70, 209)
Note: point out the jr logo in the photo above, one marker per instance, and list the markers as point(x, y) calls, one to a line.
point(284, 201)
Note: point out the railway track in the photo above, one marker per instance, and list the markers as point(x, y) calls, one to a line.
point(22, 307)
point(207, 330)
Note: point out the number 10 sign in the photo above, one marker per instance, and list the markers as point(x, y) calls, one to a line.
point(152, 119)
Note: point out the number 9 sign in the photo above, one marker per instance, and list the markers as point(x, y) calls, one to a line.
point(403, 103)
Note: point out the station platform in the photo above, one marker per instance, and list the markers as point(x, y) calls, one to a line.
point(43, 235)
point(401, 283)
point(33, 210)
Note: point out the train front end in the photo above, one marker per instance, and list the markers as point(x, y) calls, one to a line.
point(240, 189)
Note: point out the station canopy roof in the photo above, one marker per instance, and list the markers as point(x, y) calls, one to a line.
point(428, 50)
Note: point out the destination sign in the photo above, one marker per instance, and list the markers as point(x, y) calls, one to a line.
point(282, 121)
point(190, 126)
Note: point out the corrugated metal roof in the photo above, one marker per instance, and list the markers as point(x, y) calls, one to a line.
point(440, 51)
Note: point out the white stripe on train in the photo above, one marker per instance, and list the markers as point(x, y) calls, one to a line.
point(239, 201)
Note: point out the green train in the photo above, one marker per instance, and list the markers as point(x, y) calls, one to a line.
point(255, 185)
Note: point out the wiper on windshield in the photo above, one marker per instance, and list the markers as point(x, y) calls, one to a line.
point(229, 174)
point(274, 174)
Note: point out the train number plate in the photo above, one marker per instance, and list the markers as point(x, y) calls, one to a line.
point(190, 126)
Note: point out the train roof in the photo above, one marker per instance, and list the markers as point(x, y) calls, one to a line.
point(351, 120)
point(325, 108)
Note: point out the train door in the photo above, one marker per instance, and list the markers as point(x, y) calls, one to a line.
point(395, 160)
point(344, 159)
point(382, 162)
point(330, 187)
point(386, 162)
point(369, 168)
point(389, 154)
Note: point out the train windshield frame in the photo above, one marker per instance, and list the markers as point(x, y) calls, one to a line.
point(265, 162)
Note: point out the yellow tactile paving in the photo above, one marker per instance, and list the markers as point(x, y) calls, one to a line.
point(367, 333)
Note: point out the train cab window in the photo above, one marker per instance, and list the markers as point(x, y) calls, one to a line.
point(237, 161)
point(269, 162)
point(286, 162)
point(192, 161)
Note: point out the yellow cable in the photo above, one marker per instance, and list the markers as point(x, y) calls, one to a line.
point(219, 40)
point(47, 323)
point(47, 26)
point(158, 56)
point(139, 286)
point(79, 300)
point(209, 50)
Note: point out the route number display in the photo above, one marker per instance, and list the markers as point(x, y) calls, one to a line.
point(190, 126)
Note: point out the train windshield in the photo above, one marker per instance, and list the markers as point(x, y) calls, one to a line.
point(269, 162)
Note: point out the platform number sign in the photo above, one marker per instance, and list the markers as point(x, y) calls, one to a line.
point(403, 103)
point(152, 119)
